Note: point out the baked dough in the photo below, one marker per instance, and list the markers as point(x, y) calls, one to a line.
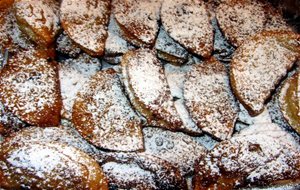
point(259, 64)
point(103, 115)
point(85, 22)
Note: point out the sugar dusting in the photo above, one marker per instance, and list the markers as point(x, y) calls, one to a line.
point(188, 23)
point(73, 74)
point(257, 67)
point(103, 115)
point(209, 99)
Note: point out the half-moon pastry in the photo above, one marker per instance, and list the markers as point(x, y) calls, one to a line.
point(85, 22)
point(29, 88)
point(38, 19)
point(188, 22)
point(48, 166)
point(138, 20)
point(148, 89)
point(259, 64)
point(177, 148)
point(247, 161)
point(73, 74)
point(289, 101)
point(240, 19)
point(103, 115)
point(209, 99)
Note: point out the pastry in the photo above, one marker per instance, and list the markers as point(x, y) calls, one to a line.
point(68, 136)
point(66, 46)
point(209, 99)
point(73, 74)
point(86, 22)
point(138, 20)
point(169, 50)
point(29, 88)
point(128, 176)
point(188, 23)
point(103, 116)
point(38, 19)
point(240, 19)
point(162, 174)
point(175, 77)
point(259, 64)
point(249, 160)
point(148, 89)
point(48, 166)
point(289, 101)
point(4, 4)
point(177, 148)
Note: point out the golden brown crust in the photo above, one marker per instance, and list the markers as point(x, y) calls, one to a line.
point(48, 166)
point(289, 101)
point(4, 4)
point(188, 23)
point(38, 20)
point(138, 20)
point(30, 89)
point(86, 22)
point(240, 19)
point(257, 159)
point(103, 116)
point(209, 99)
point(259, 65)
point(148, 89)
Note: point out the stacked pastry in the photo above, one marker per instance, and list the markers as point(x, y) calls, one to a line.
point(148, 94)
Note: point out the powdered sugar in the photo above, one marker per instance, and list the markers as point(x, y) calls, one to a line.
point(139, 17)
point(179, 149)
point(73, 74)
point(127, 176)
point(146, 81)
point(209, 99)
point(86, 23)
point(257, 67)
point(103, 115)
point(188, 23)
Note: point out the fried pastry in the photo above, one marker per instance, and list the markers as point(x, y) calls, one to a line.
point(177, 148)
point(85, 22)
point(138, 20)
point(29, 88)
point(148, 89)
point(209, 99)
point(259, 65)
point(169, 50)
point(128, 176)
point(4, 4)
point(73, 74)
point(188, 23)
point(289, 101)
point(31, 135)
point(66, 46)
point(48, 166)
point(163, 173)
point(249, 160)
point(240, 19)
point(103, 115)
point(38, 19)
point(175, 77)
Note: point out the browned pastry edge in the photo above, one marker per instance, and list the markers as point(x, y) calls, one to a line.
point(289, 106)
point(50, 115)
point(283, 38)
